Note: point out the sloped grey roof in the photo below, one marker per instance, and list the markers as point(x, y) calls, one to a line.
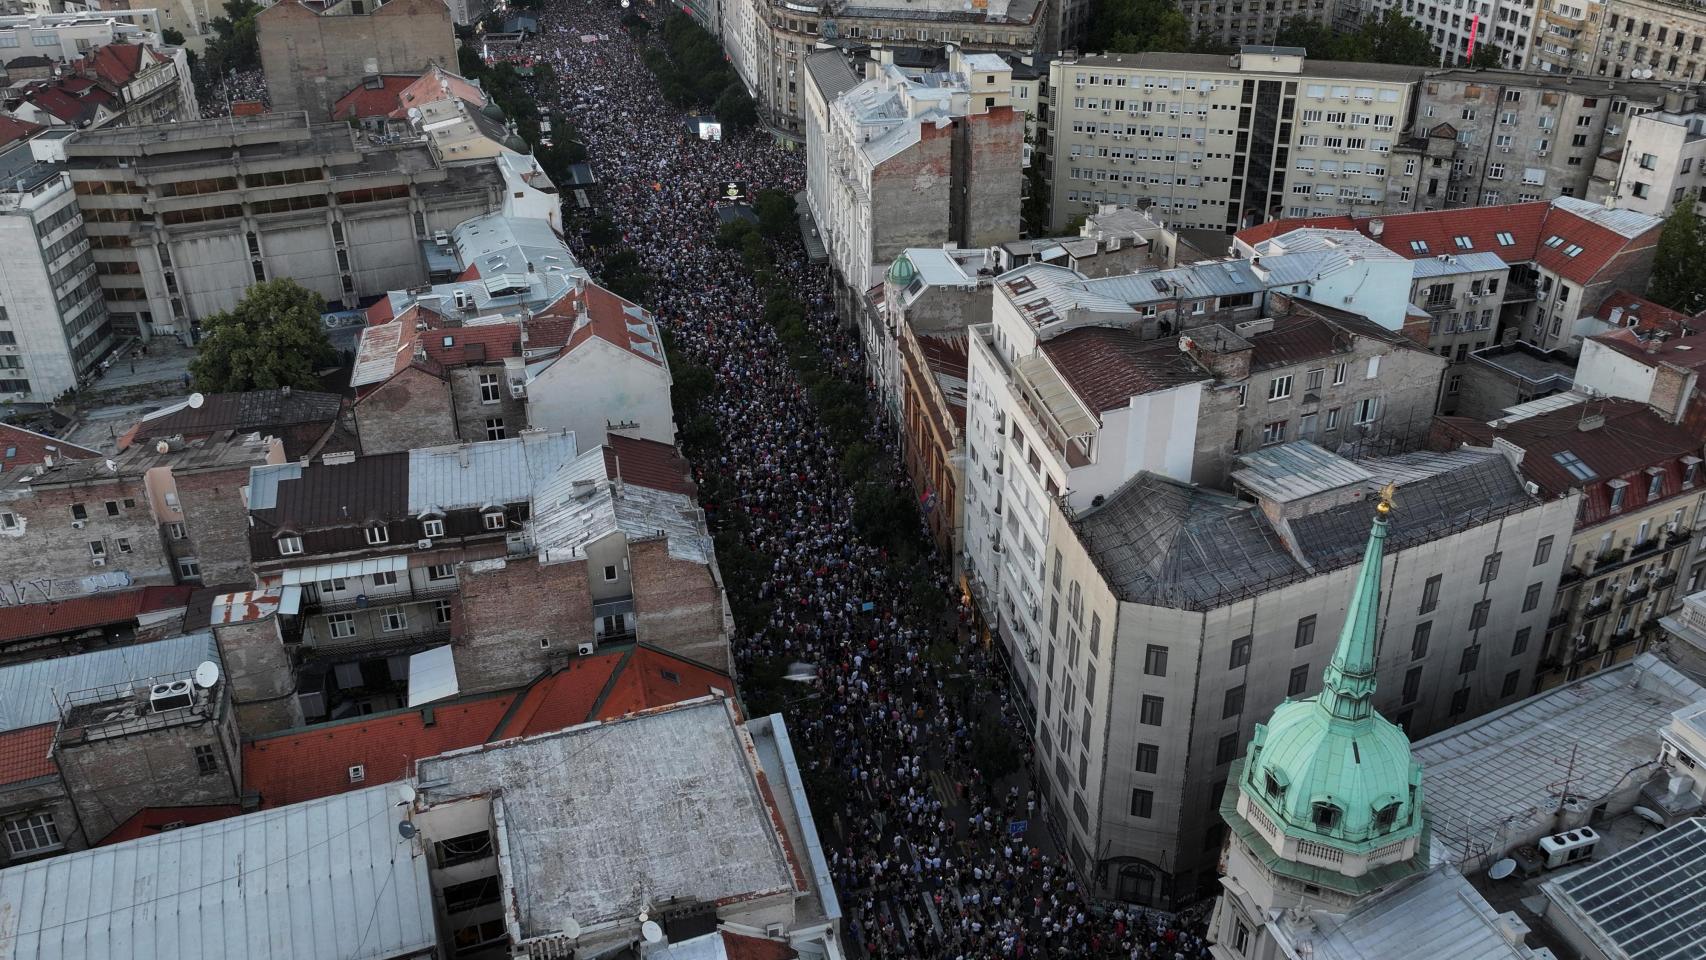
point(473, 475)
point(1161, 542)
point(27, 690)
point(829, 70)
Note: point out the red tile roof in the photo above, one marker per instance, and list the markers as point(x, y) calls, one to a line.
point(608, 319)
point(150, 821)
point(12, 130)
point(436, 84)
point(116, 64)
point(81, 613)
point(1686, 352)
point(364, 101)
point(739, 947)
point(20, 447)
point(315, 762)
point(1644, 314)
point(485, 343)
point(24, 754)
point(648, 463)
point(1528, 226)
point(1631, 439)
point(248, 108)
point(1106, 367)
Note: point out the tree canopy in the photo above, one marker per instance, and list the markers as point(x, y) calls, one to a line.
point(235, 44)
point(693, 71)
point(1679, 263)
point(1487, 56)
point(1388, 38)
point(1137, 26)
point(273, 338)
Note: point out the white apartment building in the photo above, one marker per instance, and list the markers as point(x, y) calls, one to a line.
point(1179, 617)
point(1660, 161)
point(1507, 24)
point(1221, 145)
point(53, 322)
point(67, 36)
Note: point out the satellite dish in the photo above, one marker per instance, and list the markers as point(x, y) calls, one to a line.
point(163, 447)
point(206, 674)
point(1502, 869)
point(572, 928)
point(651, 931)
point(196, 400)
point(405, 793)
point(1650, 815)
point(405, 829)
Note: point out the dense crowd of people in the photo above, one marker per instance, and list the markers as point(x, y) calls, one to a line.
point(238, 86)
point(923, 849)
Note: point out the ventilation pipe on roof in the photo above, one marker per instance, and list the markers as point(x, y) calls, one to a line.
point(1376, 227)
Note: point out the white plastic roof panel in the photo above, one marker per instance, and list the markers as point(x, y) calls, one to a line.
point(432, 676)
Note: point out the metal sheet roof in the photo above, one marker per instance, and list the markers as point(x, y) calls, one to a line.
point(1450, 264)
point(473, 475)
point(323, 880)
point(1439, 915)
point(581, 505)
point(27, 690)
point(1292, 471)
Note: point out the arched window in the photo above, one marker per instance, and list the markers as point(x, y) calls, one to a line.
point(1326, 815)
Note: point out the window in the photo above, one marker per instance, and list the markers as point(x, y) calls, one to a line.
point(1574, 465)
point(8, 521)
point(1148, 758)
point(1298, 681)
point(79, 512)
point(610, 573)
point(385, 578)
point(1430, 594)
point(393, 619)
point(1279, 388)
point(1470, 659)
point(1149, 713)
point(461, 897)
point(1312, 380)
point(1233, 703)
point(464, 849)
point(206, 761)
point(1339, 372)
point(1142, 803)
point(289, 545)
point(123, 544)
point(1273, 432)
point(1155, 661)
point(377, 535)
point(340, 625)
point(1325, 815)
point(1305, 632)
point(494, 520)
point(1490, 567)
point(1655, 485)
point(1531, 598)
point(489, 388)
point(175, 531)
point(1542, 550)
point(440, 571)
point(112, 508)
point(1459, 702)
point(494, 428)
point(189, 568)
point(1240, 653)
point(1367, 409)
point(1478, 616)
point(441, 616)
point(1419, 640)
point(1412, 684)
point(1509, 686)
point(97, 548)
point(1332, 421)
point(32, 834)
point(1618, 489)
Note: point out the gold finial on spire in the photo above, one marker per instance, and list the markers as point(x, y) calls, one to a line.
point(1387, 492)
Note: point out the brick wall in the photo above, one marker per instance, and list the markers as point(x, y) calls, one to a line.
point(310, 61)
point(677, 605)
point(261, 676)
point(408, 411)
point(991, 150)
point(111, 779)
point(507, 607)
point(47, 558)
point(910, 194)
point(217, 522)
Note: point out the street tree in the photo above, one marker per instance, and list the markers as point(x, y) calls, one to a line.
point(273, 338)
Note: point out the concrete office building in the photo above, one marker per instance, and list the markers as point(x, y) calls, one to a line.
point(1489, 137)
point(786, 34)
point(1182, 616)
point(183, 218)
point(1242, 22)
point(909, 161)
point(1506, 24)
point(1219, 146)
point(314, 53)
point(54, 328)
point(1658, 162)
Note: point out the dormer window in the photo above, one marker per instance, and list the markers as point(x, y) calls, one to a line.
point(1325, 815)
point(1690, 470)
point(494, 520)
point(377, 535)
point(1273, 785)
point(432, 528)
point(1619, 489)
point(289, 545)
point(1655, 482)
point(1385, 816)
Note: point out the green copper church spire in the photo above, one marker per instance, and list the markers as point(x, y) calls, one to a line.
point(1349, 677)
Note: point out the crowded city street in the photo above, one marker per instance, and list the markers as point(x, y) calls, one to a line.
point(930, 860)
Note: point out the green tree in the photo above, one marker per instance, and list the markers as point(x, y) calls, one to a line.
point(1679, 263)
point(1396, 38)
point(775, 210)
point(273, 338)
point(235, 44)
point(1389, 38)
point(1136, 26)
point(172, 37)
point(1487, 57)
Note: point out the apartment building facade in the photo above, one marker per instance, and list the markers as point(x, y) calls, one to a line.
point(1502, 136)
point(1181, 616)
point(184, 217)
point(1632, 540)
point(311, 54)
point(1657, 163)
point(769, 43)
point(1219, 145)
point(1506, 24)
point(1639, 39)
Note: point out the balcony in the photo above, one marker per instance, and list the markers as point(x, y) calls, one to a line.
point(436, 590)
point(1519, 292)
point(1558, 619)
point(1596, 608)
